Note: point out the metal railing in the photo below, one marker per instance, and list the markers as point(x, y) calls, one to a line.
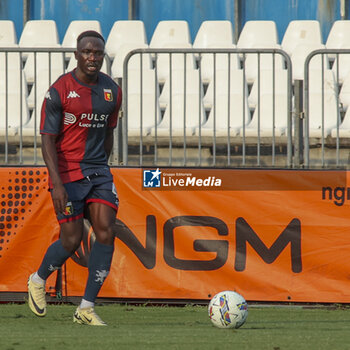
point(329, 141)
point(220, 145)
point(301, 144)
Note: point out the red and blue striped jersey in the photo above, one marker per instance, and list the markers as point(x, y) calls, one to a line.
point(79, 115)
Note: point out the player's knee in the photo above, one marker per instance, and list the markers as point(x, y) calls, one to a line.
point(71, 244)
point(105, 236)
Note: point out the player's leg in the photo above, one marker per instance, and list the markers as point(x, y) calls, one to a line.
point(102, 218)
point(55, 256)
point(71, 223)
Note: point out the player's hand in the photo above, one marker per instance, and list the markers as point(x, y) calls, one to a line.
point(59, 198)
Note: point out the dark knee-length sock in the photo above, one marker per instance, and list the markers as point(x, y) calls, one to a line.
point(99, 266)
point(54, 258)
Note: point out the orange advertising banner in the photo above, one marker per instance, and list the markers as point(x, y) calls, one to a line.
point(271, 235)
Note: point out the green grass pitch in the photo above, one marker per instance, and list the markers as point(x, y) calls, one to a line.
point(153, 327)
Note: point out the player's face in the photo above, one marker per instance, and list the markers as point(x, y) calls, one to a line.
point(89, 55)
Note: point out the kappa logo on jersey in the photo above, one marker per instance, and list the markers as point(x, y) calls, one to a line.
point(48, 96)
point(73, 94)
point(69, 118)
point(108, 95)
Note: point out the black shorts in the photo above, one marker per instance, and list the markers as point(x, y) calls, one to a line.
point(98, 188)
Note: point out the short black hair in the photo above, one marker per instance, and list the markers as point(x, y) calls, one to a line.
point(88, 33)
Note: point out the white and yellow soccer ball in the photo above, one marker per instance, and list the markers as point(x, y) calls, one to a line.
point(228, 309)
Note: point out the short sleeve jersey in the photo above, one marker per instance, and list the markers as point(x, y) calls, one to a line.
point(79, 115)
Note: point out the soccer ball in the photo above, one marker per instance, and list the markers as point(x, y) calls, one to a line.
point(228, 309)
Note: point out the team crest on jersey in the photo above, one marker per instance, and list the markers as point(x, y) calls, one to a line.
point(69, 209)
point(108, 95)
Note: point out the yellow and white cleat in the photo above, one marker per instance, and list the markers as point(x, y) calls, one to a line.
point(36, 297)
point(87, 316)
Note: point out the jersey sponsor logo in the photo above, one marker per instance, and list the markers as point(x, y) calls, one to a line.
point(108, 95)
point(73, 94)
point(95, 117)
point(69, 118)
point(101, 120)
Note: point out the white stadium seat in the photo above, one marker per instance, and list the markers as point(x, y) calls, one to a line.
point(338, 37)
point(221, 61)
point(301, 32)
point(255, 62)
point(184, 109)
point(320, 102)
point(44, 65)
point(32, 36)
point(8, 35)
point(41, 69)
point(39, 33)
point(341, 67)
point(270, 119)
point(143, 106)
point(171, 33)
point(176, 86)
point(270, 82)
point(256, 33)
point(226, 85)
point(130, 33)
point(43, 79)
point(214, 34)
point(13, 96)
point(178, 120)
point(13, 100)
point(271, 113)
point(220, 84)
point(299, 56)
point(77, 27)
point(344, 94)
point(344, 127)
point(164, 62)
point(134, 61)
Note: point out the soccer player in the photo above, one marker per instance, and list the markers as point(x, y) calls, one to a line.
point(78, 117)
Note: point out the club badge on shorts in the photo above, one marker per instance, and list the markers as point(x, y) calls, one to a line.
point(108, 95)
point(69, 209)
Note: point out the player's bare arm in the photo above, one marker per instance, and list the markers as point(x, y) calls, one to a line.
point(59, 194)
point(109, 141)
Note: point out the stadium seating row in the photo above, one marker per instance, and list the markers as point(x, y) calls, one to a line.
point(264, 110)
point(300, 38)
point(210, 34)
point(163, 99)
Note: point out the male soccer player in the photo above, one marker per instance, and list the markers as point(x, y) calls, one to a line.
point(78, 117)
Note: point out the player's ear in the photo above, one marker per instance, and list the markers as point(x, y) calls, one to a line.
point(76, 54)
